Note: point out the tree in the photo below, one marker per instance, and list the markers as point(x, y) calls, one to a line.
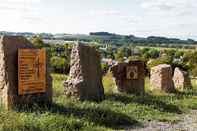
point(170, 52)
point(144, 50)
point(154, 62)
point(109, 52)
point(67, 52)
point(190, 58)
point(178, 54)
point(58, 64)
point(37, 42)
point(119, 56)
point(194, 71)
point(105, 68)
point(153, 53)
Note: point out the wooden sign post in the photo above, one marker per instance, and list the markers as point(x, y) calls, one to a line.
point(31, 71)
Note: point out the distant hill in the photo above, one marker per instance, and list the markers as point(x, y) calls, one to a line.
point(133, 39)
point(103, 34)
point(105, 37)
point(26, 34)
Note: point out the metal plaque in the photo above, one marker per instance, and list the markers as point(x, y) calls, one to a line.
point(132, 72)
point(31, 71)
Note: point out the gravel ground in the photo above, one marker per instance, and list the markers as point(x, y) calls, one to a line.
point(188, 122)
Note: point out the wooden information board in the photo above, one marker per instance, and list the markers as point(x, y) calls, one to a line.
point(31, 71)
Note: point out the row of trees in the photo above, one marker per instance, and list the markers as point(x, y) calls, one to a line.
point(185, 59)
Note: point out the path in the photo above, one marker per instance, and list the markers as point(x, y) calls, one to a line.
point(188, 123)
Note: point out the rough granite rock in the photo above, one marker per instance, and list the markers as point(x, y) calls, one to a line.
point(181, 79)
point(9, 97)
point(85, 81)
point(161, 78)
point(129, 77)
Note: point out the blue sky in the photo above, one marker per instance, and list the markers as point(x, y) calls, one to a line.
point(171, 18)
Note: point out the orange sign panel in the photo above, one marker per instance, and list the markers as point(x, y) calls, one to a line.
point(31, 71)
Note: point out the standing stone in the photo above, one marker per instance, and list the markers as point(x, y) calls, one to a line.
point(9, 97)
point(161, 78)
point(181, 79)
point(129, 77)
point(85, 78)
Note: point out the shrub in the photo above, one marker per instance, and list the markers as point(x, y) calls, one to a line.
point(105, 67)
point(58, 64)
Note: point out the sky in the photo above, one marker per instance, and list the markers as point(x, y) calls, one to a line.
point(169, 18)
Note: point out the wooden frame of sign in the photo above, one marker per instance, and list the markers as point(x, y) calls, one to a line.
point(31, 71)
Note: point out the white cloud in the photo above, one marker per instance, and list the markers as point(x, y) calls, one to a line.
point(170, 5)
point(19, 14)
point(104, 12)
point(131, 19)
point(21, 1)
point(175, 18)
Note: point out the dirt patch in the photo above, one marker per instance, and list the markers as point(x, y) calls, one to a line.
point(188, 122)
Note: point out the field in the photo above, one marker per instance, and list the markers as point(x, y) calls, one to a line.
point(167, 48)
point(117, 111)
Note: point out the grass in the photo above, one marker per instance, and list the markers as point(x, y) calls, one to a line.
point(118, 111)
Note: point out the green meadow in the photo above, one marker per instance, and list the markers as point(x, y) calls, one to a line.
point(118, 111)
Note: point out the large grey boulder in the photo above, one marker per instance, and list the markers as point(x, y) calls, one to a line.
point(9, 97)
point(85, 79)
